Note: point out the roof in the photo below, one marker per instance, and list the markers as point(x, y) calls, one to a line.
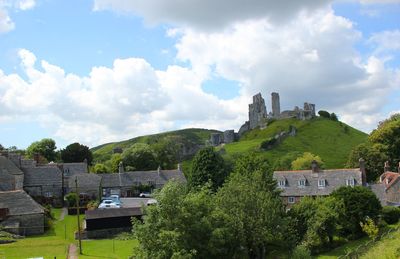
point(334, 178)
point(132, 178)
point(389, 179)
point(112, 213)
point(75, 168)
point(42, 175)
point(8, 166)
point(85, 181)
point(19, 203)
point(134, 202)
point(379, 190)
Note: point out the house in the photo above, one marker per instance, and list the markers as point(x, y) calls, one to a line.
point(124, 183)
point(11, 177)
point(388, 188)
point(316, 182)
point(87, 183)
point(44, 183)
point(20, 214)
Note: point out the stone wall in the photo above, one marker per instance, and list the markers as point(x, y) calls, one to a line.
point(276, 106)
point(229, 136)
point(257, 111)
point(25, 225)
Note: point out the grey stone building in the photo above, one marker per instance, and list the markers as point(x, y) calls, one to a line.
point(21, 214)
point(316, 182)
point(11, 177)
point(44, 182)
point(89, 184)
point(388, 188)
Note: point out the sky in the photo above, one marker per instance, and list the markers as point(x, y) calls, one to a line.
point(108, 70)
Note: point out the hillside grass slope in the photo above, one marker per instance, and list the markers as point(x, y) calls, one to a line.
point(331, 140)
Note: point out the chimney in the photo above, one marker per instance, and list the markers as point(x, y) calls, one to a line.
point(314, 166)
point(180, 166)
point(386, 167)
point(158, 170)
point(121, 167)
point(363, 172)
point(36, 158)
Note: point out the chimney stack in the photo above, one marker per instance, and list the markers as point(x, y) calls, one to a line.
point(180, 167)
point(363, 171)
point(386, 167)
point(121, 167)
point(314, 166)
point(36, 158)
point(159, 170)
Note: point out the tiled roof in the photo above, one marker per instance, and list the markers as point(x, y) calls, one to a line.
point(19, 203)
point(131, 178)
point(42, 175)
point(85, 181)
point(333, 179)
point(389, 179)
point(9, 167)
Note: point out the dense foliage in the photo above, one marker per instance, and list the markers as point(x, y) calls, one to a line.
point(139, 157)
point(208, 166)
point(75, 153)
point(360, 203)
point(390, 215)
point(45, 148)
point(304, 161)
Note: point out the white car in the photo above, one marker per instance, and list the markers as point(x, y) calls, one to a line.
point(108, 204)
point(145, 195)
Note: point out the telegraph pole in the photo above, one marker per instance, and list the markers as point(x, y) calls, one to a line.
point(77, 213)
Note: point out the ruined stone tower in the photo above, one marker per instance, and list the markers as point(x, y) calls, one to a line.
point(257, 111)
point(276, 106)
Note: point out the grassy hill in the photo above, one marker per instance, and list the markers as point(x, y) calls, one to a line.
point(331, 140)
point(188, 137)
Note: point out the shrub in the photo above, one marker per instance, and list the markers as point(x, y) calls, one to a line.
point(391, 214)
point(370, 228)
point(268, 144)
point(301, 252)
point(324, 114)
point(71, 199)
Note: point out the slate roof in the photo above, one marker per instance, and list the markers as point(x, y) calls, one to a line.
point(112, 213)
point(85, 181)
point(379, 190)
point(75, 168)
point(334, 178)
point(19, 203)
point(9, 167)
point(131, 178)
point(42, 176)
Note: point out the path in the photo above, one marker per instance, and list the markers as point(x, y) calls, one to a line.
point(72, 251)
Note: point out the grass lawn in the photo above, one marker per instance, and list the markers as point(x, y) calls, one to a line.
point(342, 250)
point(54, 243)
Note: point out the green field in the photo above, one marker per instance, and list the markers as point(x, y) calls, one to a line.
point(54, 243)
point(331, 140)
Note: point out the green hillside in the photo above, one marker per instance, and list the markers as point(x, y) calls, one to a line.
point(188, 137)
point(331, 140)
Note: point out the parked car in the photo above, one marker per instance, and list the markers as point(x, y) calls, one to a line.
point(108, 204)
point(145, 195)
point(115, 198)
point(151, 202)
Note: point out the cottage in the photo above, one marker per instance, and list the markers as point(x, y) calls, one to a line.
point(388, 188)
point(11, 177)
point(20, 214)
point(87, 183)
point(124, 183)
point(316, 182)
point(44, 182)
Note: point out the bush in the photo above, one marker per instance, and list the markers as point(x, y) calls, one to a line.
point(391, 214)
point(71, 199)
point(301, 252)
point(324, 114)
point(268, 144)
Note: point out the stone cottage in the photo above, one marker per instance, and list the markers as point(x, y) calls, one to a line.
point(20, 214)
point(316, 182)
point(388, 188)
point(11, 177)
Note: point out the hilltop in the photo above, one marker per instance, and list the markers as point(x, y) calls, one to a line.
point(190, 139)
point(331, 140)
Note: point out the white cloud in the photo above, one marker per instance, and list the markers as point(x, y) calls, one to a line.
point(6, 23)
point(386, 40)
point(209, 14)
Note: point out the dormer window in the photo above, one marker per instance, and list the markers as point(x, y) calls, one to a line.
point(350, 182)
point(282, 183)
point(321, 183)
point(302, 182)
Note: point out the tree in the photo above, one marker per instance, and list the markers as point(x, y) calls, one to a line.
point(250, 199)
point(45, 147)
point(324, 114)
point(333, 117)
point(167, 151)
point(75, 153)
point(100, 169)
point(359, 203)
point(207, 165)
point(374, 157)
point(285, 161)
point(114, 162)
point(139, 157)
point(1, 147)
point(388, 135)
point(304, 162)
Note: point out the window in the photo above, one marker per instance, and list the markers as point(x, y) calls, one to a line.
point(290, 199)
point(321, 183)
point(302, 182)
point(282, 183)
point(350, 182)
point(48, 194)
